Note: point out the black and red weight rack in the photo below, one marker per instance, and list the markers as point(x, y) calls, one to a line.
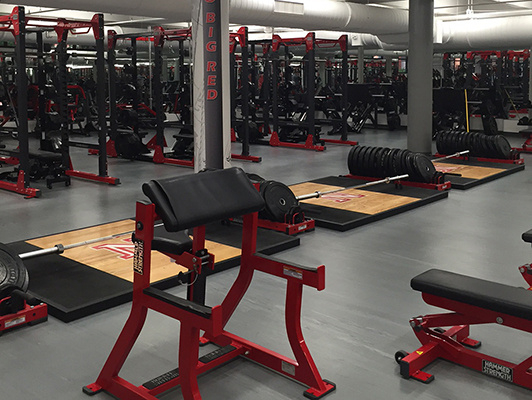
point(17, 23)
point(342, 43)
point(159, 36)
point(190, 202)
point(313, 141)
point(471, 301)
point(241, 37)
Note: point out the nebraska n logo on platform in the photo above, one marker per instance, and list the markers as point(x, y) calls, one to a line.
point(124, 251)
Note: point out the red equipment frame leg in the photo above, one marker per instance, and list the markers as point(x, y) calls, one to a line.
point(302, 369)
point(20, 187)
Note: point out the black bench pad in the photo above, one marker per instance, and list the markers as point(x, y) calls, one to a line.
point(177, 247)
point(188, 201)
point(527, 236)
point(492, 296)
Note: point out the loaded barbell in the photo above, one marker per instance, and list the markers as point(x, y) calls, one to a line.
point(281, 204)
point(13, 272)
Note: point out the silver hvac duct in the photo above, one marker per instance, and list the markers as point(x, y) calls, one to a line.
point(304, 14)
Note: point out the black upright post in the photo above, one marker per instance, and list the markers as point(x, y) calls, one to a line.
point(135, 83)
point(253, 73)
point(244, 79)
point(100, 97)
point(266, 94)
point(344, 87)
point(234, 80)
point(158, 89)
point(62, 57)
point(311, 88)
point(111, 60)
point(181, 62)
point(525, 80)
point(275, 91)
point(41, 82)
point(22, 96)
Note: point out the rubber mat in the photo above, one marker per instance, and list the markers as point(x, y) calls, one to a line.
point(96, 277)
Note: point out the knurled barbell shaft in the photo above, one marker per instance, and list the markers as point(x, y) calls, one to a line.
point(318, 194)
point(59, 248)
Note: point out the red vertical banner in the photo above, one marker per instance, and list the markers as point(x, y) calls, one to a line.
point(212, 32)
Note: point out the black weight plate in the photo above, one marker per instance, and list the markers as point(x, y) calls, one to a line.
point(278, 199)
point(351, 157)
point(442, 144)
point(410, 167)
point(404, 162)
point(381, 167)
point(447, 142)
point(354, 161)
point(377, 161)
point(360, 160)
point(399, 165)
point(391, 162)
point(12, 269)
point(371, 162)
point(454, 142)
point(476, 144)
point(385, 162)
point(438, 142)
point(425, 168)
point(503, 147)
point(494, 153)
point(367, 161)
point(482, 140)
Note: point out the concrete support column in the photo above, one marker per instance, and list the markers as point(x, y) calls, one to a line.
point(360, 65)
point(389, 60)
point(420, 51)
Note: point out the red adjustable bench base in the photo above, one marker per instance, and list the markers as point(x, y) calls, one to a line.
point(471, 301)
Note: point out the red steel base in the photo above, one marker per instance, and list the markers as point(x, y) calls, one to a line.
point(246, 158)
point(338, 141)
point(290, 229)
point(30, 315)
point(308, 145)
point(20, 187)
point(454, 344)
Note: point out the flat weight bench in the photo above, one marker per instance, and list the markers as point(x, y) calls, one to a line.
point(187, 202)
point(472, 301)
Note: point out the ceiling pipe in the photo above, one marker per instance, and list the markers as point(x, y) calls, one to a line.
point(391, 25)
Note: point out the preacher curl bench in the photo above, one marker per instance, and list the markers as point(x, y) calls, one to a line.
point(187, 202)
point(472, 301)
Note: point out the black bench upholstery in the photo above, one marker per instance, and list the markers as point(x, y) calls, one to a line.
point(172, 246)
point(492, 296)
point(193, 200)
point(527, 236)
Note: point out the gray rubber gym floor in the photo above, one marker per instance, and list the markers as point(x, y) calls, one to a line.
point(353, 327)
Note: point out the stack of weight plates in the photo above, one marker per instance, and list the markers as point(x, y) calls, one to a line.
point(478, 144)
point(382, 162)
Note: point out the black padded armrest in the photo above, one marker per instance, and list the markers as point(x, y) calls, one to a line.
point(193, 200)
point(527, 236)
point(476, 292)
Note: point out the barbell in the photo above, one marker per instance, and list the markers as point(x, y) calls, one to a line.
point(280, 200)
point(318, 194)
point(14, 272)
